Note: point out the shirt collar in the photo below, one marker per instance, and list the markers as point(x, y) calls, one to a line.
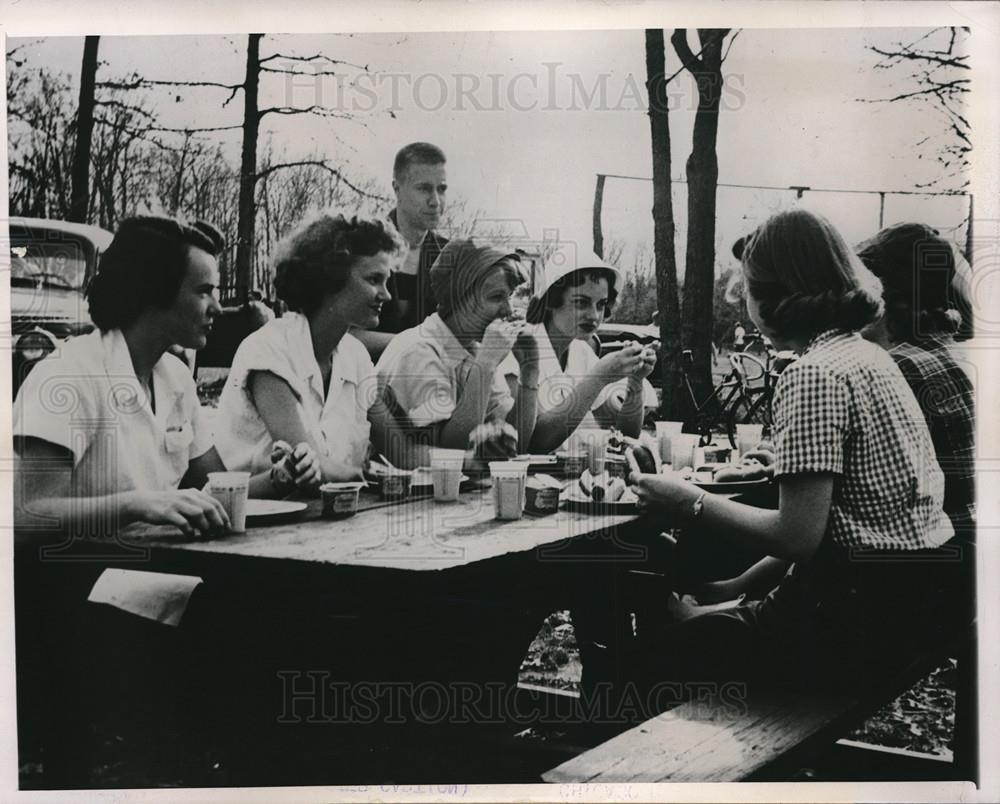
point(440, 333)
point(118, 361)
point(826, 336)
point(300, 343)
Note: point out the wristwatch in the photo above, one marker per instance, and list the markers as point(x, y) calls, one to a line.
point(699, 505)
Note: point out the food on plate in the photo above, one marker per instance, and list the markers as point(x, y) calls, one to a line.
point(644, 460)
point(604, 488)
point(763, 456)
point(743, 472)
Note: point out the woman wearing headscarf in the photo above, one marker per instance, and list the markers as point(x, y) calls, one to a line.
point(577, 390)
point(441, 378)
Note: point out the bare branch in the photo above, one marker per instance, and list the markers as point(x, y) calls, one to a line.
point(316, 57)
point(679, 40)
point(729, 46)
point(320, 164)
point(299, 72)
point(127, 107)
point(319, 111)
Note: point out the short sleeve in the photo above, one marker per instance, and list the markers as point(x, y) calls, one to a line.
point(422, 385)
point(263, 351)
point(811, 420)
point(57, 406)
point(204, 438)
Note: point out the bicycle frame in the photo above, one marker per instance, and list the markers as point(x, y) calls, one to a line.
point(736, 391)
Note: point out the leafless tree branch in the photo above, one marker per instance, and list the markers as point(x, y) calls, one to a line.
point(321, 164)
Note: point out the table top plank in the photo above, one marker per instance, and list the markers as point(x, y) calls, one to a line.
point(419, 535)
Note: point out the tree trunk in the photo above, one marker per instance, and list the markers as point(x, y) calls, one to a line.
point(80, 173)
point(673, 405)
point(703, 178)
point(598, 205)
point(248, 172)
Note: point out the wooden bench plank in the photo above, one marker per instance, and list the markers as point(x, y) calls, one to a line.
point(707, 740)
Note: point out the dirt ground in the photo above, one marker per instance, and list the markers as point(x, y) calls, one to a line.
point(921, 719)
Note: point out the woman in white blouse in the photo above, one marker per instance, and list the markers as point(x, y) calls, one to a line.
point(303, 378)
point(577, 390)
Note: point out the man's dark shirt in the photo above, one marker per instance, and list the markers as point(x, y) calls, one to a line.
point(415, 289)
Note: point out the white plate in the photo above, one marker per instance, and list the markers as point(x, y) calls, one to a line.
point(265, 509)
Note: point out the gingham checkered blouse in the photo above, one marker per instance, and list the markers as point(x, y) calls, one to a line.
point(845, 408)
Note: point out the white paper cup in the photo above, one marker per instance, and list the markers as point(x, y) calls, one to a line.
point(446, 472)
point(509, 488)
point(597, 450)
point(682, 450)
point(664, 432)
point(231, 489)
point(748, 436)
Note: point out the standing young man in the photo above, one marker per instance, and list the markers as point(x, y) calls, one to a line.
point(420, 183)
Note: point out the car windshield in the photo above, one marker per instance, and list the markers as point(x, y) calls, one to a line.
point(61, 265)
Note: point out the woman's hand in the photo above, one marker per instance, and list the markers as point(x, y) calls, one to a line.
point(297, 467)
point(193, 511)
point(665, 492)
point(648, 361)
point(498, 340)
point(626, 362)
point(525, 350)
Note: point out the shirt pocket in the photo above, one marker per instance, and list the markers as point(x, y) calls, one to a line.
point(178, 437)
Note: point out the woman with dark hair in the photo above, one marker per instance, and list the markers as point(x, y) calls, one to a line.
point(113, 415)
point(918, 272)
point(304, 379)
point(577, 390)
point(860, 503)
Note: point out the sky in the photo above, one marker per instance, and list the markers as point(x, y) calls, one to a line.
point(528, 119)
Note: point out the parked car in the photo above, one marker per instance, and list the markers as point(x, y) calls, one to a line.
point(613, 336)
point(51, 263)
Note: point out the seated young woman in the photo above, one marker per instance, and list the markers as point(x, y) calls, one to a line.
point(108, 430)
point(577, 390)
point(860, 494)
point(440, 381)
point(917, 268)
point(304, 379)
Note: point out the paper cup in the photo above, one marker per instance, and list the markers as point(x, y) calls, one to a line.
point(340, 500)
point(597, 450)
point(575, 461)
point(396, 485)
point(748, 436)
point(683, 447)
point(665, 431)
point(231, 489)
point(446, 472)
point(509, 488)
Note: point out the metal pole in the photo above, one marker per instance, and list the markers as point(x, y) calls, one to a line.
point(881, 210)
point(598, 204)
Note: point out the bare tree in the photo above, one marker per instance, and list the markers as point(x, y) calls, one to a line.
point(934, 69)
point(84, 132)
point(665, 257)
point(702, 184)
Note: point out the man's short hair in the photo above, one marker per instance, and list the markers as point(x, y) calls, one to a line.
point(416, 153)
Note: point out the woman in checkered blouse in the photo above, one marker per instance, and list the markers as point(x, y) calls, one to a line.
point(860, 512)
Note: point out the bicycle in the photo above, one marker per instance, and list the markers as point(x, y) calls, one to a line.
point(743, 396)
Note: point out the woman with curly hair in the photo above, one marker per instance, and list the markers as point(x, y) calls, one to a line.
point(304, 379)
point(113, 415)
point(860, 505)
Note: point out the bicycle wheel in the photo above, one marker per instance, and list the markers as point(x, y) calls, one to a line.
point(752, 407)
